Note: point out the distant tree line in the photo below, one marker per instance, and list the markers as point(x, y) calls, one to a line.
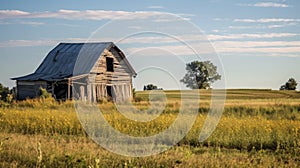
point(291, 84)
point(151, 87)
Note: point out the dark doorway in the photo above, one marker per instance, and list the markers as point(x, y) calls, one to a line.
point(109, 64)
point(61, 90)
point(110, 93)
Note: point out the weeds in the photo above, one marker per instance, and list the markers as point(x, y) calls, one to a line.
point(256, 132)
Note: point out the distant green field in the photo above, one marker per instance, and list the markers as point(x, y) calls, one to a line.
point(235, 94)
point(258, 128)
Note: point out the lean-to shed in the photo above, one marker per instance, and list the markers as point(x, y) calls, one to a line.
point(92, 71)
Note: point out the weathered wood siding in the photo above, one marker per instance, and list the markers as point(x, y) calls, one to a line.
point(120, 79)
point(29, 89)
point(92, 77)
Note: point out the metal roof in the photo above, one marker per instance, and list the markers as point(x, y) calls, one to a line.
point(71, 59)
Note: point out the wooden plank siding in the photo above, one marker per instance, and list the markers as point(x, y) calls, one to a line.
point(92, 80)
point(29, 89)
point(120, 79)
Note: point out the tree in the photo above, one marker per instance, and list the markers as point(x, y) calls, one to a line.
point(291, 84)
point(200, 75)
point(150, 87)
point(4, 91)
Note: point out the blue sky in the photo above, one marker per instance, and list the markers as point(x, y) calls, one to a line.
point(257, 41)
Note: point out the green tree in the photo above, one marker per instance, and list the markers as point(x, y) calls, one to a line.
point(291, 84)
point(4, 91)
point(150, 87)
point(200, 75)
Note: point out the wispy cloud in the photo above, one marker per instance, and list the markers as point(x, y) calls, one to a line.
point(266, 20)
point(21, 22)
point(83, 15)
point(28, 43)
point(258, 46)
point(154, 40)
point(155, 7)
point(271, 26)
point(272, 48)
point(271, 4)
point(221, 19)
point(12, 13)
point(251, 36)
point(268, 48)
point(278, 48)
point(228, 44)
point(267, 4)
point(191, 38)
point(216, 31)
point(248, 44)
point(262, 23)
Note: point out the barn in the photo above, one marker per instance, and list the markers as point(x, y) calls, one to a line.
point(88, 71)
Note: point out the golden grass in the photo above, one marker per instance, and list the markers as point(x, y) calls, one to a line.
point(252, 132)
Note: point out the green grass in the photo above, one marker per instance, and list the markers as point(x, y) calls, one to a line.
point(235, 94)
point(258, 128)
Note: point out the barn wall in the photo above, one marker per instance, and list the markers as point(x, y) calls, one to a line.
point(120, 79)
point(121, 71)
point(29, 89)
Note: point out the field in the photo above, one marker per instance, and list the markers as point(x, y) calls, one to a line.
point(258, 128)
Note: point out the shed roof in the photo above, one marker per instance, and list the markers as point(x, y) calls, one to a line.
point(71, 59)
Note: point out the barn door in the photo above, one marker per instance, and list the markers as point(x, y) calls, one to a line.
point(110, 92)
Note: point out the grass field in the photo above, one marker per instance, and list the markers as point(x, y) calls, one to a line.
point(259, 128)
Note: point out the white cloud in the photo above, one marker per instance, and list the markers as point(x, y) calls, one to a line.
point(262, 23)
point(22, 22)
point(28, 43)
point(270, 50)
point(242, 27)
point(161, 40)
point(12, 13)
point(31, 23)
point(83, 15)
point(253, 36)
point(237, 44)
point(264, 26)
point(155, 7)
point(267, 4)
point(255, 44)
point(190, 38)
point(278, 48)
point(281, 25)
point(271, 4)
point(266, 23)
point(266, 20)
point(136, 27)
point(178, 50)
point(221, 19)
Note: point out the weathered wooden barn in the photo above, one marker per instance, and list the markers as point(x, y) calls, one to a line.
point(91, 71)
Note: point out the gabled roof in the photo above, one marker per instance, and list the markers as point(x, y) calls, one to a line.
point(60, 62)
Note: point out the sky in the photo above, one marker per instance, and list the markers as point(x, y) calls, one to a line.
point(254, 43)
